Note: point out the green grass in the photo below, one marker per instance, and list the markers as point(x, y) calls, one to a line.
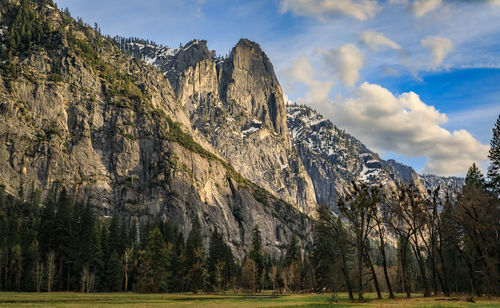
point(72, 299)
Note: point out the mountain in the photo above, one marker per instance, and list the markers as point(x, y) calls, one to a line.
point(451, 184)
point(177, 133)
point(77, 112)
point(237, 104)
point(334, 159)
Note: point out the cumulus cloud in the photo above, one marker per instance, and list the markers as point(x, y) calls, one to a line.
point(401, 124)
point(439, 47)
point(326, 9)
point(422, 7)
point(302, 71)
point(404, 124)
point(346, 61)
point(374, 40)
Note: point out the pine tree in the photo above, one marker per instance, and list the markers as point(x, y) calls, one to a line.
point(220, 261)
point(194, 257)
point(47, 222)
point(63, 237)
point(476, 213)
point(475, 177)
point(178, 265)
point(494, 156)
point(113, 273)
point(292, 251)
point(257, 255)
point(154, 263)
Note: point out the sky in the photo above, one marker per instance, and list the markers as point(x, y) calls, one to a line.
point(415, 80)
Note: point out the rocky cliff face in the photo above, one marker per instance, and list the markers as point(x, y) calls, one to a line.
point(111, 129)
point(334, 159)
point(237, 104)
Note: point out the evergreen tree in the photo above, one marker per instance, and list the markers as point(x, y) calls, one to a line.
point(292, 251)
point(475, 177)
point(113, 273)
point(257, 255)
point(220, 262)
point(494, 156)
point(115, 236)
point(194, 257)
point(154, 262)
point(477, 215)
point(47, 222)
point(63, 238)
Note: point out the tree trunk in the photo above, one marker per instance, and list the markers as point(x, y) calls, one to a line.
point(421, 264)
point(403, 256)
point(446, 288)
point(360, 270)
point(345, 272)
point(374, 275)
point(384, 264)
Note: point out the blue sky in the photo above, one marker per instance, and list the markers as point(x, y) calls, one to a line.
point(416, 80)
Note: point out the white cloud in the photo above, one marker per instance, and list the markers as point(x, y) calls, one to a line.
point(406, 125)
point(326, 9)
point(401, 124)
point(439, 47)
point(346, 61)
point(374, 40)
point(422, 7)
point(302, 71)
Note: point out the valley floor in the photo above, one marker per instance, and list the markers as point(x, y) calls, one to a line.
point(71, 299)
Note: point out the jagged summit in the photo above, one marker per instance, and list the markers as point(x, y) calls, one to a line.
point(237, 103)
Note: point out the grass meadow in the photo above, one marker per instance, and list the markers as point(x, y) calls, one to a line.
point(72, 299)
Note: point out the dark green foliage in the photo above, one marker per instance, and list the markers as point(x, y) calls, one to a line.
point(194, 258)
point(220, 262)
point(474, 177)
point(112, 273)
point(292, 252)
point(494, 156)
point(27, 31)
point(324, 258)
point(476, 217)
point(257, 255)
point(154, 262)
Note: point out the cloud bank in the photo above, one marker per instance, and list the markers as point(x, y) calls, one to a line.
point(401, 124)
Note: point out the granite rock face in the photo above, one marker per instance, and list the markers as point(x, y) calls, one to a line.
point(334, 159)
point(237, 104)
point(112, 130)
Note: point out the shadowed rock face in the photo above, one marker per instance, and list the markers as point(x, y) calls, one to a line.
point(248, 80)
point(112, 130)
